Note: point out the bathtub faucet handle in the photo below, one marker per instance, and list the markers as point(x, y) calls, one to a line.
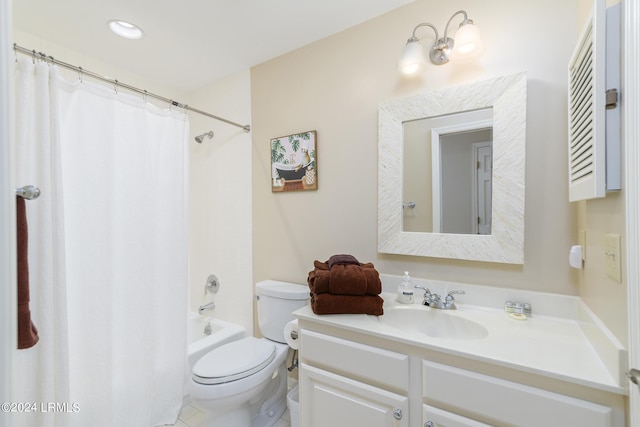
point(212, 285)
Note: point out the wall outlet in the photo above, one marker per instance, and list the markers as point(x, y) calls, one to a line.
point(613, 264)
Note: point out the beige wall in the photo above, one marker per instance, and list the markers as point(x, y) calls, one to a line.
point(604, 295)
point(334, 86)
point(220, 200)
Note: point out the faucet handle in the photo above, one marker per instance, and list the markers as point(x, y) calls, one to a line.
point(450, 301)
point(452, 293)
point(427, 294)
point(212, 285)
point(426, 290)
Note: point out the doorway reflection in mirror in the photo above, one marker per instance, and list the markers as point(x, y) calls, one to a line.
point(448, 172)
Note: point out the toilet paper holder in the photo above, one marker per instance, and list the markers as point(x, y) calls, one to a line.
point(575, 256)
point(294, 361)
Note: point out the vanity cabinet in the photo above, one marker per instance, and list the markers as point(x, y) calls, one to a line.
point(350, 379)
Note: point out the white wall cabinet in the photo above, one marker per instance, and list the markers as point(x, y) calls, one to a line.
point(336, 401)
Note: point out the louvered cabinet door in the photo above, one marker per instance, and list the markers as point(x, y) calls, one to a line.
point(587, 163)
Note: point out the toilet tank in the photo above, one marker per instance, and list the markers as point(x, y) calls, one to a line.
point(276, 302)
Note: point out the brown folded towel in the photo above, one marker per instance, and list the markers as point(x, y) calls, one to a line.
point(361, 279)
point(347, 280)
point(27, 332)
point(347, 304)
point(342, 259)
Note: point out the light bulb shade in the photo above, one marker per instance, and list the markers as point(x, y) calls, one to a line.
point(412, 60)
point(467, 44)
point(125, 29)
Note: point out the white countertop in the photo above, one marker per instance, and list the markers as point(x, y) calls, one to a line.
point(554, 347)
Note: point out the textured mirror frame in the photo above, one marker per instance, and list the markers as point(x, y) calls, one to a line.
point(508, 97)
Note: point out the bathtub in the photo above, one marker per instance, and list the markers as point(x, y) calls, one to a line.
point(200, 344)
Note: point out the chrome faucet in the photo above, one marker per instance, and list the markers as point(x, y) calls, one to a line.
point(434, 300)
point(207, 307)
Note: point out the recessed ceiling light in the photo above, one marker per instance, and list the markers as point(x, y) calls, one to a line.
point(125, 29)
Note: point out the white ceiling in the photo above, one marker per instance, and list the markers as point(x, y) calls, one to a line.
point(191, 43)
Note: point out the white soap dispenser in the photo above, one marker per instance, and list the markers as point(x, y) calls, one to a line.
point(405, 290)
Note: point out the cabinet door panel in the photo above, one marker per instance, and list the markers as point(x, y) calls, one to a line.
point(330, 400)
point(507, 402)
point(440, 418)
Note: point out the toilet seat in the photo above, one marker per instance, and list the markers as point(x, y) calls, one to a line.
point(234, 361)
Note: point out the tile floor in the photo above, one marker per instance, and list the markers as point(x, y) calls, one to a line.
point(190, 416)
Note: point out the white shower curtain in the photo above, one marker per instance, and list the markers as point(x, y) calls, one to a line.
point(41, 373)
point(123, 171)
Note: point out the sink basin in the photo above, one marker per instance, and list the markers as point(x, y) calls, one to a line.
point(433, 323)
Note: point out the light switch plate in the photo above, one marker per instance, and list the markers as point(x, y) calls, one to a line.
point(613, 264)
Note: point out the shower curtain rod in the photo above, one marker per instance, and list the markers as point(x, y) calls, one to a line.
point(81, 72)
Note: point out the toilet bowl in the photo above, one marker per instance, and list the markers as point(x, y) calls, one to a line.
point(244, 383)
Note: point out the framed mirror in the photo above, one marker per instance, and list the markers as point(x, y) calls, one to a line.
point(427, 144)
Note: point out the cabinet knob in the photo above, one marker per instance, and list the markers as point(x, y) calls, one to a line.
point(397, 414)
point(429, 424)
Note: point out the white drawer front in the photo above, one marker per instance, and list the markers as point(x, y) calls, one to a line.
point(434, 417)
point(506, 403)
point(355, 360)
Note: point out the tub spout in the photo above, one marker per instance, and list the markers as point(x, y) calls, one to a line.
point(208, 306)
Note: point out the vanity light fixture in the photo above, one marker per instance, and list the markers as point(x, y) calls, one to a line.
point(465, 46)
point(125, 29)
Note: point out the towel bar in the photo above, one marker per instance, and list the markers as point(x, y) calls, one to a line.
point(28, 192)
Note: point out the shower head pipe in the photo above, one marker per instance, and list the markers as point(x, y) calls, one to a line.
point(200, 138)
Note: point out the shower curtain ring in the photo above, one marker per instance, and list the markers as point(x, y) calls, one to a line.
point(33, 56)
point(80, 74)
point(115, 85)
point(144, 95)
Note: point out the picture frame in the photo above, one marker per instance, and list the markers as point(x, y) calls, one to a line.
point(294, 165)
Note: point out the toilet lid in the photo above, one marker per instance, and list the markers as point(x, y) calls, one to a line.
point(234, 361)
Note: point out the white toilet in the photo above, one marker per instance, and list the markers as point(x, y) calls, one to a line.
point(244, 383)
